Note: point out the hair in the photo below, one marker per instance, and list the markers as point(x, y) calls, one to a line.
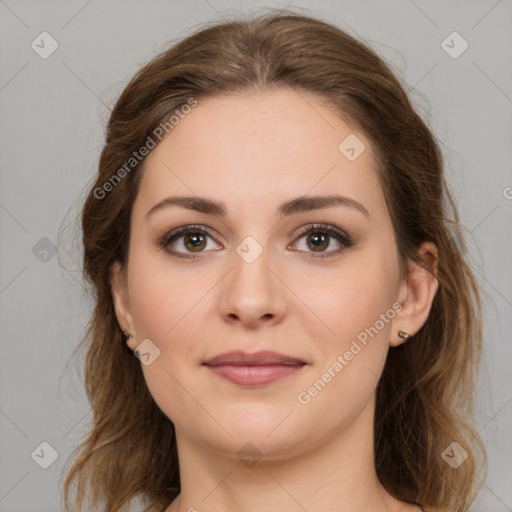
point(425, 396)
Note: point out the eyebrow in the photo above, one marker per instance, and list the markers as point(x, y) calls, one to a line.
point(294, 206)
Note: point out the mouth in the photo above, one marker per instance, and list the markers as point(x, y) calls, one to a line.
point(258, 369)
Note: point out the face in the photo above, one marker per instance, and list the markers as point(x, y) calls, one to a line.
point(317, 283)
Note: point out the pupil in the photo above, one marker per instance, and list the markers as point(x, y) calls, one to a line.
point(318, 238)
point(194, 240)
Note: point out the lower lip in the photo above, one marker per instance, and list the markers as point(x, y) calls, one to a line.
point(255, 375)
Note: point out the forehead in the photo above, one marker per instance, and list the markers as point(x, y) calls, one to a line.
point(246, 150)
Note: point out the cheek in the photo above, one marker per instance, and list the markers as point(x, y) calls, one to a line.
point(344, 303)
point(163, 298)
point(168, 308)
point(356, 310)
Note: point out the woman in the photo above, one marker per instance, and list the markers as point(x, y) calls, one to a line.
point(284, 318)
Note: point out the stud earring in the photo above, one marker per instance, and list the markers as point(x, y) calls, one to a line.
point(128, 334)
point(404, 335)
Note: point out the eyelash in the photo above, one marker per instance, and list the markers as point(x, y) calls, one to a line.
point(325, 229)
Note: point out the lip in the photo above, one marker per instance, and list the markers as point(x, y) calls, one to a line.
point(257, 369)
point(262, 358)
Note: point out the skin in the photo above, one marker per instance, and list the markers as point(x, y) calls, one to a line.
point(253, 152)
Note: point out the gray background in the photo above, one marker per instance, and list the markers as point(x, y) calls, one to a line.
point(53, 111)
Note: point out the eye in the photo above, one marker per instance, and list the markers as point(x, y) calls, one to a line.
point(191, 241)
point(194, 241)
point(319, 236)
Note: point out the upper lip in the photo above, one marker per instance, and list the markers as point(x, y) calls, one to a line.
point(262, 358)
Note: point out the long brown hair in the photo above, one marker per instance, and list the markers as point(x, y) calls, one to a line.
point(425, 395)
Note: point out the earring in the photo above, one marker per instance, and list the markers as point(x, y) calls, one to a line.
point(404, 335)
point(128, 334)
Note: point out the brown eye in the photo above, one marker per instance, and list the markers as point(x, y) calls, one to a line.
point(318, 238)
point(194, 241)
point(187, 239)
point(318, 241)
point(191, 241)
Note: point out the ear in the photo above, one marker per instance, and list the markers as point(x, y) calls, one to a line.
point(119, 289)
point(416, 293)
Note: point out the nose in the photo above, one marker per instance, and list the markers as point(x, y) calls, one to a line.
point(253, 293)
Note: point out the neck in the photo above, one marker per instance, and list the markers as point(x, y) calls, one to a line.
point(338, 474)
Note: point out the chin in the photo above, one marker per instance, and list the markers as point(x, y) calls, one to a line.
point(265, 430)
